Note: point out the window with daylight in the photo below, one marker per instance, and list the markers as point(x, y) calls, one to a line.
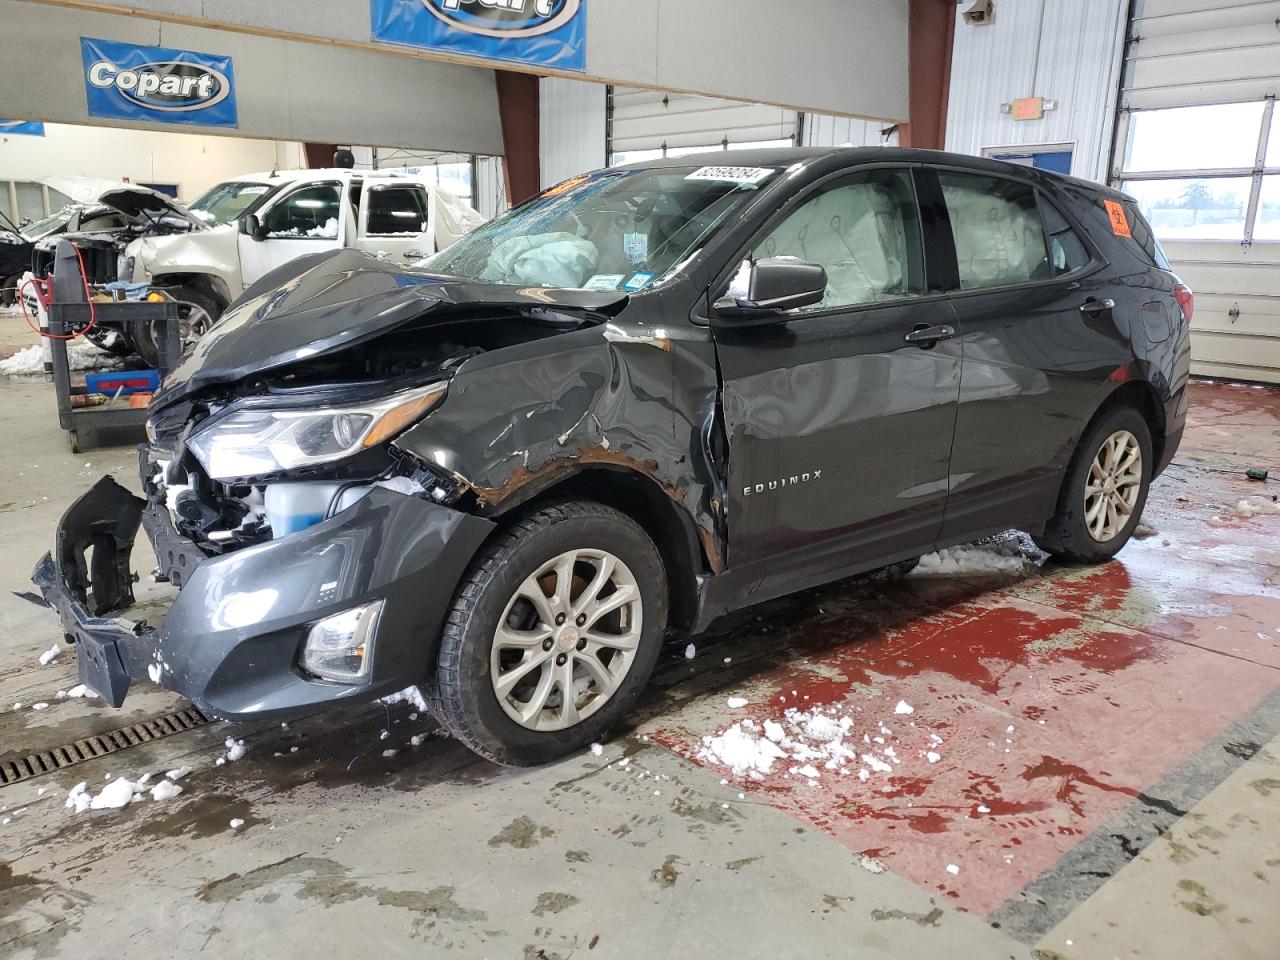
point(1206, 172)
point(309, 212)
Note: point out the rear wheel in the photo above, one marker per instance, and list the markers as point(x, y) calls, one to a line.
point(553, 633)
point(1104, 492)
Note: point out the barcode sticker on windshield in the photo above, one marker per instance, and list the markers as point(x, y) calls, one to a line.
point(730, 174)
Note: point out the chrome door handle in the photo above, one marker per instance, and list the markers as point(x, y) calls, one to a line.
point(928, 336)
point(1097, 306)
point(414, 255)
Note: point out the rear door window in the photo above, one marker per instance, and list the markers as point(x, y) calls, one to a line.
point(397, 210)
point(999, 237)
point(1067, 252)
point(1143, 237)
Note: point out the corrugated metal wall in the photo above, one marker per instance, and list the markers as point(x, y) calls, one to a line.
point(573, 125)
point(490, 187)
point(1064, 50)
point(825, 131)
point(572, 128)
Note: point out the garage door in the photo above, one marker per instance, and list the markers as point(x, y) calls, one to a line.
point(650, 123)
point(1199, 145)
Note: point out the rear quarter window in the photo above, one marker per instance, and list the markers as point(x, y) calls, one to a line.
point(1142, 239)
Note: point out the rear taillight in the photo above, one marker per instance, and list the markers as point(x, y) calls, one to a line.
point(1186, 300)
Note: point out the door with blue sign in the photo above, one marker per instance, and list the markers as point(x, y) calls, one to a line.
point(124, 81)
point(1056, 160)
point(551, 33)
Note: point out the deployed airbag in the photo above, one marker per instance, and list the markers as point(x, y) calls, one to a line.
point(554, 259)
point(853, 233)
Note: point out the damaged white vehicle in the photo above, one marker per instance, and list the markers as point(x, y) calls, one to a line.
point(262, 221)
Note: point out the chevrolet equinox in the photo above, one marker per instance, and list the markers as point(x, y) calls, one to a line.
point(647, 397)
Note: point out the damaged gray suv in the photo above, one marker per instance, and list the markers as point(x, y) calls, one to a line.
point(634, 403)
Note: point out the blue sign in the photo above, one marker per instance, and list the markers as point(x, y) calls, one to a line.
point(551, 33)
point(128, 82)
point(26, 128)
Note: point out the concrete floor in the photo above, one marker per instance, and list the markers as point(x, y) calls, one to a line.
point(1108, 782)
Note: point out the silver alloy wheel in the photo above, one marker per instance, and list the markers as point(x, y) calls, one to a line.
point(1111, 492)
point(566, 640)
point(194, 323)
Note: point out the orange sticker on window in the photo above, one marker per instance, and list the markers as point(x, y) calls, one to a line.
point(1119, 222)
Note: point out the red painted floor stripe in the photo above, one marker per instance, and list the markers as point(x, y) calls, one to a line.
point(1110, 677)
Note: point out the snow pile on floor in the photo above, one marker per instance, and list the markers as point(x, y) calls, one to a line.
point(48, 655)
point(1255, 506)
point(165, 790)
point(739, 749)
point(811, 743)
point(970, 561)
point(235, 750)
point(121, 791)
point(408, 695)
point(114, 796)
point(80, 355)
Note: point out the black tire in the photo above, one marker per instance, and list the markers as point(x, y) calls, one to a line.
point(461, 690)
point(9, 290)
point(145, 335)
point(1067, 536)
point(113, 341)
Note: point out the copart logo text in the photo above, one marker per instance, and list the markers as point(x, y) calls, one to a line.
point(505, 18)
point(174, 85)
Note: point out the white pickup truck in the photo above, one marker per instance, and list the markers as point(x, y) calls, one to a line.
point(255, 223)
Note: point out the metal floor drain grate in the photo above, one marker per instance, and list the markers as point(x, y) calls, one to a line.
point(47, 761)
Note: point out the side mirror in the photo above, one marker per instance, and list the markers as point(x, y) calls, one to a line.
point(777, 284)
point(251, 226)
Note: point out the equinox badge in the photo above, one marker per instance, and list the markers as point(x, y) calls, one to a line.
point(771, 485)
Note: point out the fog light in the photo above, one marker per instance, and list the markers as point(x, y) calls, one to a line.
point(341, 647)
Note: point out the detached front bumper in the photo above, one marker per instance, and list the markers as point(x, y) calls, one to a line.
point(231, 641)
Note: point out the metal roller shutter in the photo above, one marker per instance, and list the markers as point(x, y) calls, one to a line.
point(1198, 142)
point(650, 122)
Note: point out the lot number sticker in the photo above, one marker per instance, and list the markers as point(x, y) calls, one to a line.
point(730, 174)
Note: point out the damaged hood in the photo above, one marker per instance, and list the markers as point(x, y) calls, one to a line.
point(140, 203)
point(327, 302)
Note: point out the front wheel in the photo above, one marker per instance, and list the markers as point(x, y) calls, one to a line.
point(197, 313)
point(1104, 491)
point(553, 633)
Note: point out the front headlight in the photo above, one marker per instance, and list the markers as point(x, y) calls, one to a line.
point(254, 443)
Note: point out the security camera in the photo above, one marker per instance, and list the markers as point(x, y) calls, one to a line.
point(981, 13)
